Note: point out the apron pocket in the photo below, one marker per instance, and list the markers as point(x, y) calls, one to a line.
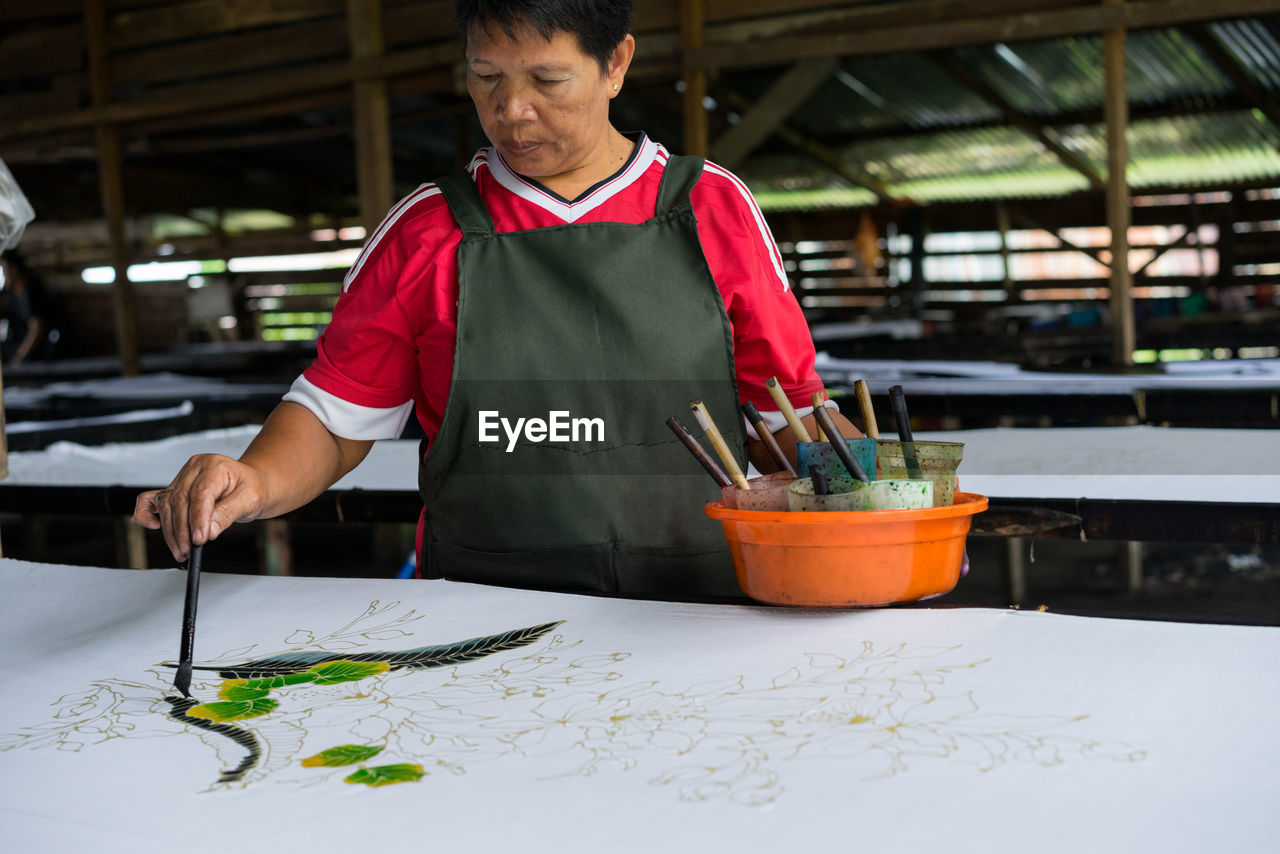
point(579, 569)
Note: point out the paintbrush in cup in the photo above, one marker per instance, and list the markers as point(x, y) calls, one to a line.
point(718, 443)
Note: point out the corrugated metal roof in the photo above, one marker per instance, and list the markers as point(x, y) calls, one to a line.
point(1191, 124)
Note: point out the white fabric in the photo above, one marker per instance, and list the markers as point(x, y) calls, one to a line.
point(961, 378)
point(631, 726)
point(140, 389)
point(1152, 463)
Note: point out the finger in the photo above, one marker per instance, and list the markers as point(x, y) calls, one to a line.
point(242, 504)
point(144, 510)
point(212, 490)
point(166, 529)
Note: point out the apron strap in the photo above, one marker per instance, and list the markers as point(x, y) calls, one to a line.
point(678, 178)
point(466, 205)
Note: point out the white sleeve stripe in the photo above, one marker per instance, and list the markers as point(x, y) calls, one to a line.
point(774, 255)
point(425, 191)
point(346, 419)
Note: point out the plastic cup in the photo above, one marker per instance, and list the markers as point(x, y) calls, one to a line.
point(864, 451)
point(846, 494)
point(937, 462)
point(767, 492)
point(898, 494)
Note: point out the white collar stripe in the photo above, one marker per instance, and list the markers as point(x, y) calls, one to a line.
point(425, 191)
point(572, 211)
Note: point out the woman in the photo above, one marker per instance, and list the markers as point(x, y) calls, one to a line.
point(570, 269)
point(24, 309)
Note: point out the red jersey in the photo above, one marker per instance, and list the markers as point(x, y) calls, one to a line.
point(390, 346)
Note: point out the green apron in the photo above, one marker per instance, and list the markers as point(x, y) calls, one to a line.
point(615, 324)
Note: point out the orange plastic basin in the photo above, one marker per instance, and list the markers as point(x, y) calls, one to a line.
point(848, 559)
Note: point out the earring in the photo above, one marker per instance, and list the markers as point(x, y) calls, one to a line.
point(615, 87)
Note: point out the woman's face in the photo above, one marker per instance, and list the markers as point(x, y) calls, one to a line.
point(544, 104)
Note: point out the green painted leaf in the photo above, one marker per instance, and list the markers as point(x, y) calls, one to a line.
point(237, 689)
point(334, 672)
point(233, 710)
point(272, 682)
point(347, 754)
point(383, 775)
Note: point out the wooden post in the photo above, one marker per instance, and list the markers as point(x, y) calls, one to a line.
point(1116, 110)
point(693, 26)
point(131, 544)
point(111, 187)
point(275, 549)
point(372, 115)
point(1012, 292)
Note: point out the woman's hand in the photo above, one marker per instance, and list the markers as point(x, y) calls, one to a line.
point(208, 494)
point(293, 459)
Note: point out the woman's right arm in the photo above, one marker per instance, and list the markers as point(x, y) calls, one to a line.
point(293, 459)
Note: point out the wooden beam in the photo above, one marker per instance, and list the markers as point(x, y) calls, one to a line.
point(821, 154)
point(781, 99)
point(1013, 116)
point(41, 49)
point(1221, 57)
point(316, 40)
point(1082, 19)
point(372, 115)
point(693, 27)
point(1116, 105)
point(111, 185)
point(194, 18)
point(1023, 221)
point(1183, 240)
point(195, 98)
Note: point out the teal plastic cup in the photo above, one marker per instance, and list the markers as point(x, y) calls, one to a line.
point(864, 451)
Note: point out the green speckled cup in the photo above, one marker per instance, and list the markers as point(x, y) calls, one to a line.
point(846, 494)
point(937, 462)
point(850, 494)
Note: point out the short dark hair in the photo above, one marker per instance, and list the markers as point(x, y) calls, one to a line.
point(597, 24)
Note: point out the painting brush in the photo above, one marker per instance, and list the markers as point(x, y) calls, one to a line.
point(788, 411)
point(718, 443)
point(838, 444)
point(750, 410)
point(817, 399)
point(182, 679)
point(863, 393)
point(699, 453)
point(898, 402)
point(818, 474)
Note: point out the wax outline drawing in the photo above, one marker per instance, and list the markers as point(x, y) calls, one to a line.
point(879, 709)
